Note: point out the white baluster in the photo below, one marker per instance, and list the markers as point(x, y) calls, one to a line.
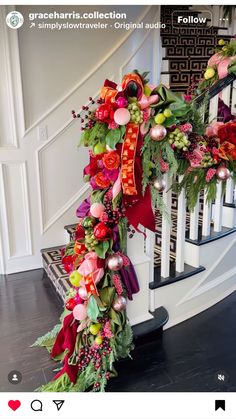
point(165, 238)
point(218, 210)
point(149, 250)
point(233, 108)
point(229, 195)
point(194, 220)
point(206, 222)
point(213, 108)
point(225, 96)
point(181, 225)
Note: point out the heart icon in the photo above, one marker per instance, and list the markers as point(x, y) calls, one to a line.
point(14, 404)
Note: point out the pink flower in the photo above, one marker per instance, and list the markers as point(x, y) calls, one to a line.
point(113, 125)
point(146, 114)
point(103, 217)
point(164, 166)
point(187, 98)
point(185, 128)
point(117, 284)
point(212, 129)
point(90, 265)
point(210, 173)
point(196, 157)
point(112, 175)
point(107, 330)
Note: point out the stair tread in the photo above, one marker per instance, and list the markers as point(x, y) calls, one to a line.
point(175, 277)
point(50, 249)
point(213, 236)
point(160, 318)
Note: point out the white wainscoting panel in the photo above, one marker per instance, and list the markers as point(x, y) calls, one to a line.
point(15, 206)
point(8, 137)
point(60, 189)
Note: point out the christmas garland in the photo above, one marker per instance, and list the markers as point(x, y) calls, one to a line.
point(222, 63)
point(135, 132)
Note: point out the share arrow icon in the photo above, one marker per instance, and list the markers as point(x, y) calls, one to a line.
point(59, 404)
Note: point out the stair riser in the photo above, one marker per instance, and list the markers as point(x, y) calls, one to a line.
point(190, 297)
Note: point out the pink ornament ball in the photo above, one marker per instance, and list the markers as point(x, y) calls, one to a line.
point(122, 116)
point(121, 102)
point(119, 304)
point(115, 262)
point(158, 132)
point(78, 299)
point(80, 312)
point(97, 209)
point(83, 293)
point(222, 173)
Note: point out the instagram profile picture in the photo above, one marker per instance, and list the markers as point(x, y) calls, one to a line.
point(14, 20)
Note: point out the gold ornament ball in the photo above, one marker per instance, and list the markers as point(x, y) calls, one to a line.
point(159, 184)
point(222, 173)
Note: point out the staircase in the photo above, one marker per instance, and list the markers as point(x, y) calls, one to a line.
point(186, 267)
point(186, 48)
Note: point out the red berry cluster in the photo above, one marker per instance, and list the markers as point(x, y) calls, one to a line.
point(86, 116)
point(192, 86)
point(113, 215)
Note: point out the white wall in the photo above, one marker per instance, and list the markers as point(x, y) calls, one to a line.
point(41, 175)
point(52, 60)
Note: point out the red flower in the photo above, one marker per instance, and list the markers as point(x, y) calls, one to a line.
point(79, 248)
point(227, 151)
point(227, 132)
point(111, 160)
point(79, 232)
point(68, 262)
point(94, 165)
point(101, 180)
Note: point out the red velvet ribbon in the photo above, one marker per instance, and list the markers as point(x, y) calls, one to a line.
point(138, 208)
point(66, 340)
point(128, 159)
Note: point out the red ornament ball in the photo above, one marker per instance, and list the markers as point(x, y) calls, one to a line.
point(104, 112)
point(101, 231)
point(79, 232)
point(70, 304)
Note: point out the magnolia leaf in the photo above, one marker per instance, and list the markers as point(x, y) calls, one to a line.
point(115, 317)
point(113, 137)
point(92, 309)
point(107, 295)
point(105, 281)
point(232, 68)
point(101, 249)
point(99, 302)
point(170, 121)
point(122, 131)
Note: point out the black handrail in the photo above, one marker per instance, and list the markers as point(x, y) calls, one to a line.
point(215, 89)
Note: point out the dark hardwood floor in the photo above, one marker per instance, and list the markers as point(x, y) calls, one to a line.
point(186, 358)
